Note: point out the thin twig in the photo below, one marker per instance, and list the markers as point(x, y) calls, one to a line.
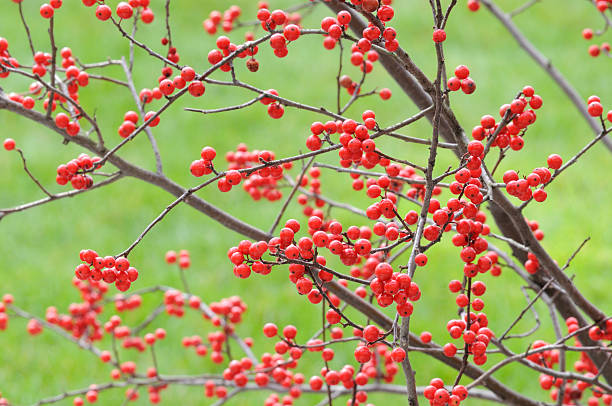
point(25, 168)
point(298, 182)
point(27, 28)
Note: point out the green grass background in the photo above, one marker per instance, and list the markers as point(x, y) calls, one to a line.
point(39, 248)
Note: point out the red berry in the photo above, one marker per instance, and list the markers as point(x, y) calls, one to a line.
point(554, 161)
point(439, 35)
point(454, 84)
point(385, 94)
point(291, 32)
point(595, 109)
point(124, 10)
point(9, 144)
point(103, 12)
point(46, 11)
point(398, 354)
point(420, 260)
point(462, 72)
point(270, 330)
point(197, 88)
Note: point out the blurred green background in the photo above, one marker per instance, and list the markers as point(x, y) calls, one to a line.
point(39, 248)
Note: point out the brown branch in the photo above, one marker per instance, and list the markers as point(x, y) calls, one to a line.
point(25, 206)
point(522, 8)
point(229, 108)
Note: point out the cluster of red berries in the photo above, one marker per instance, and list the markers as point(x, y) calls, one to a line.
point(511, 134)
point(211, 389)
point(148, 95)
point(522, 188)
point(462, 80)
point(377, 361)
point(7, 299)
point(225, 48)
point(573, 390)
point(597, 333)
point(252, 253)
point(184, 260)
point(5, 58)
point(587, 33)
point(74, 76)
point(124, 10)
point(476, 336)
point(595, 50)
point(237, 371)
point(74, 79)
point(276, 368)
point(114, 327)
point(128, 303)
point(278, 42)
point(136, 343)
point(230, 309)
point(174, 301)
point(390, 287)
point(336, 27)
point(48, 9)
point(216, 340)
point(438, 395)
point(357, 146)
point(363, 353)
point(204, 166)
point(259, 183)
point(386, 207)
point(82, 318)
point(469, 232)
point(72, 172)
point(167, 86)
point(387, 286)
point(172, 54)
point(275, 109)
point(595, 108)
point(535, 228)
point(109, 269)
point(197, 344)
point(314, 187)
point(351, 86)
point(91, 396)
point(271, 20)
point(226, 20)
point(62, 121)
point(130, 119)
